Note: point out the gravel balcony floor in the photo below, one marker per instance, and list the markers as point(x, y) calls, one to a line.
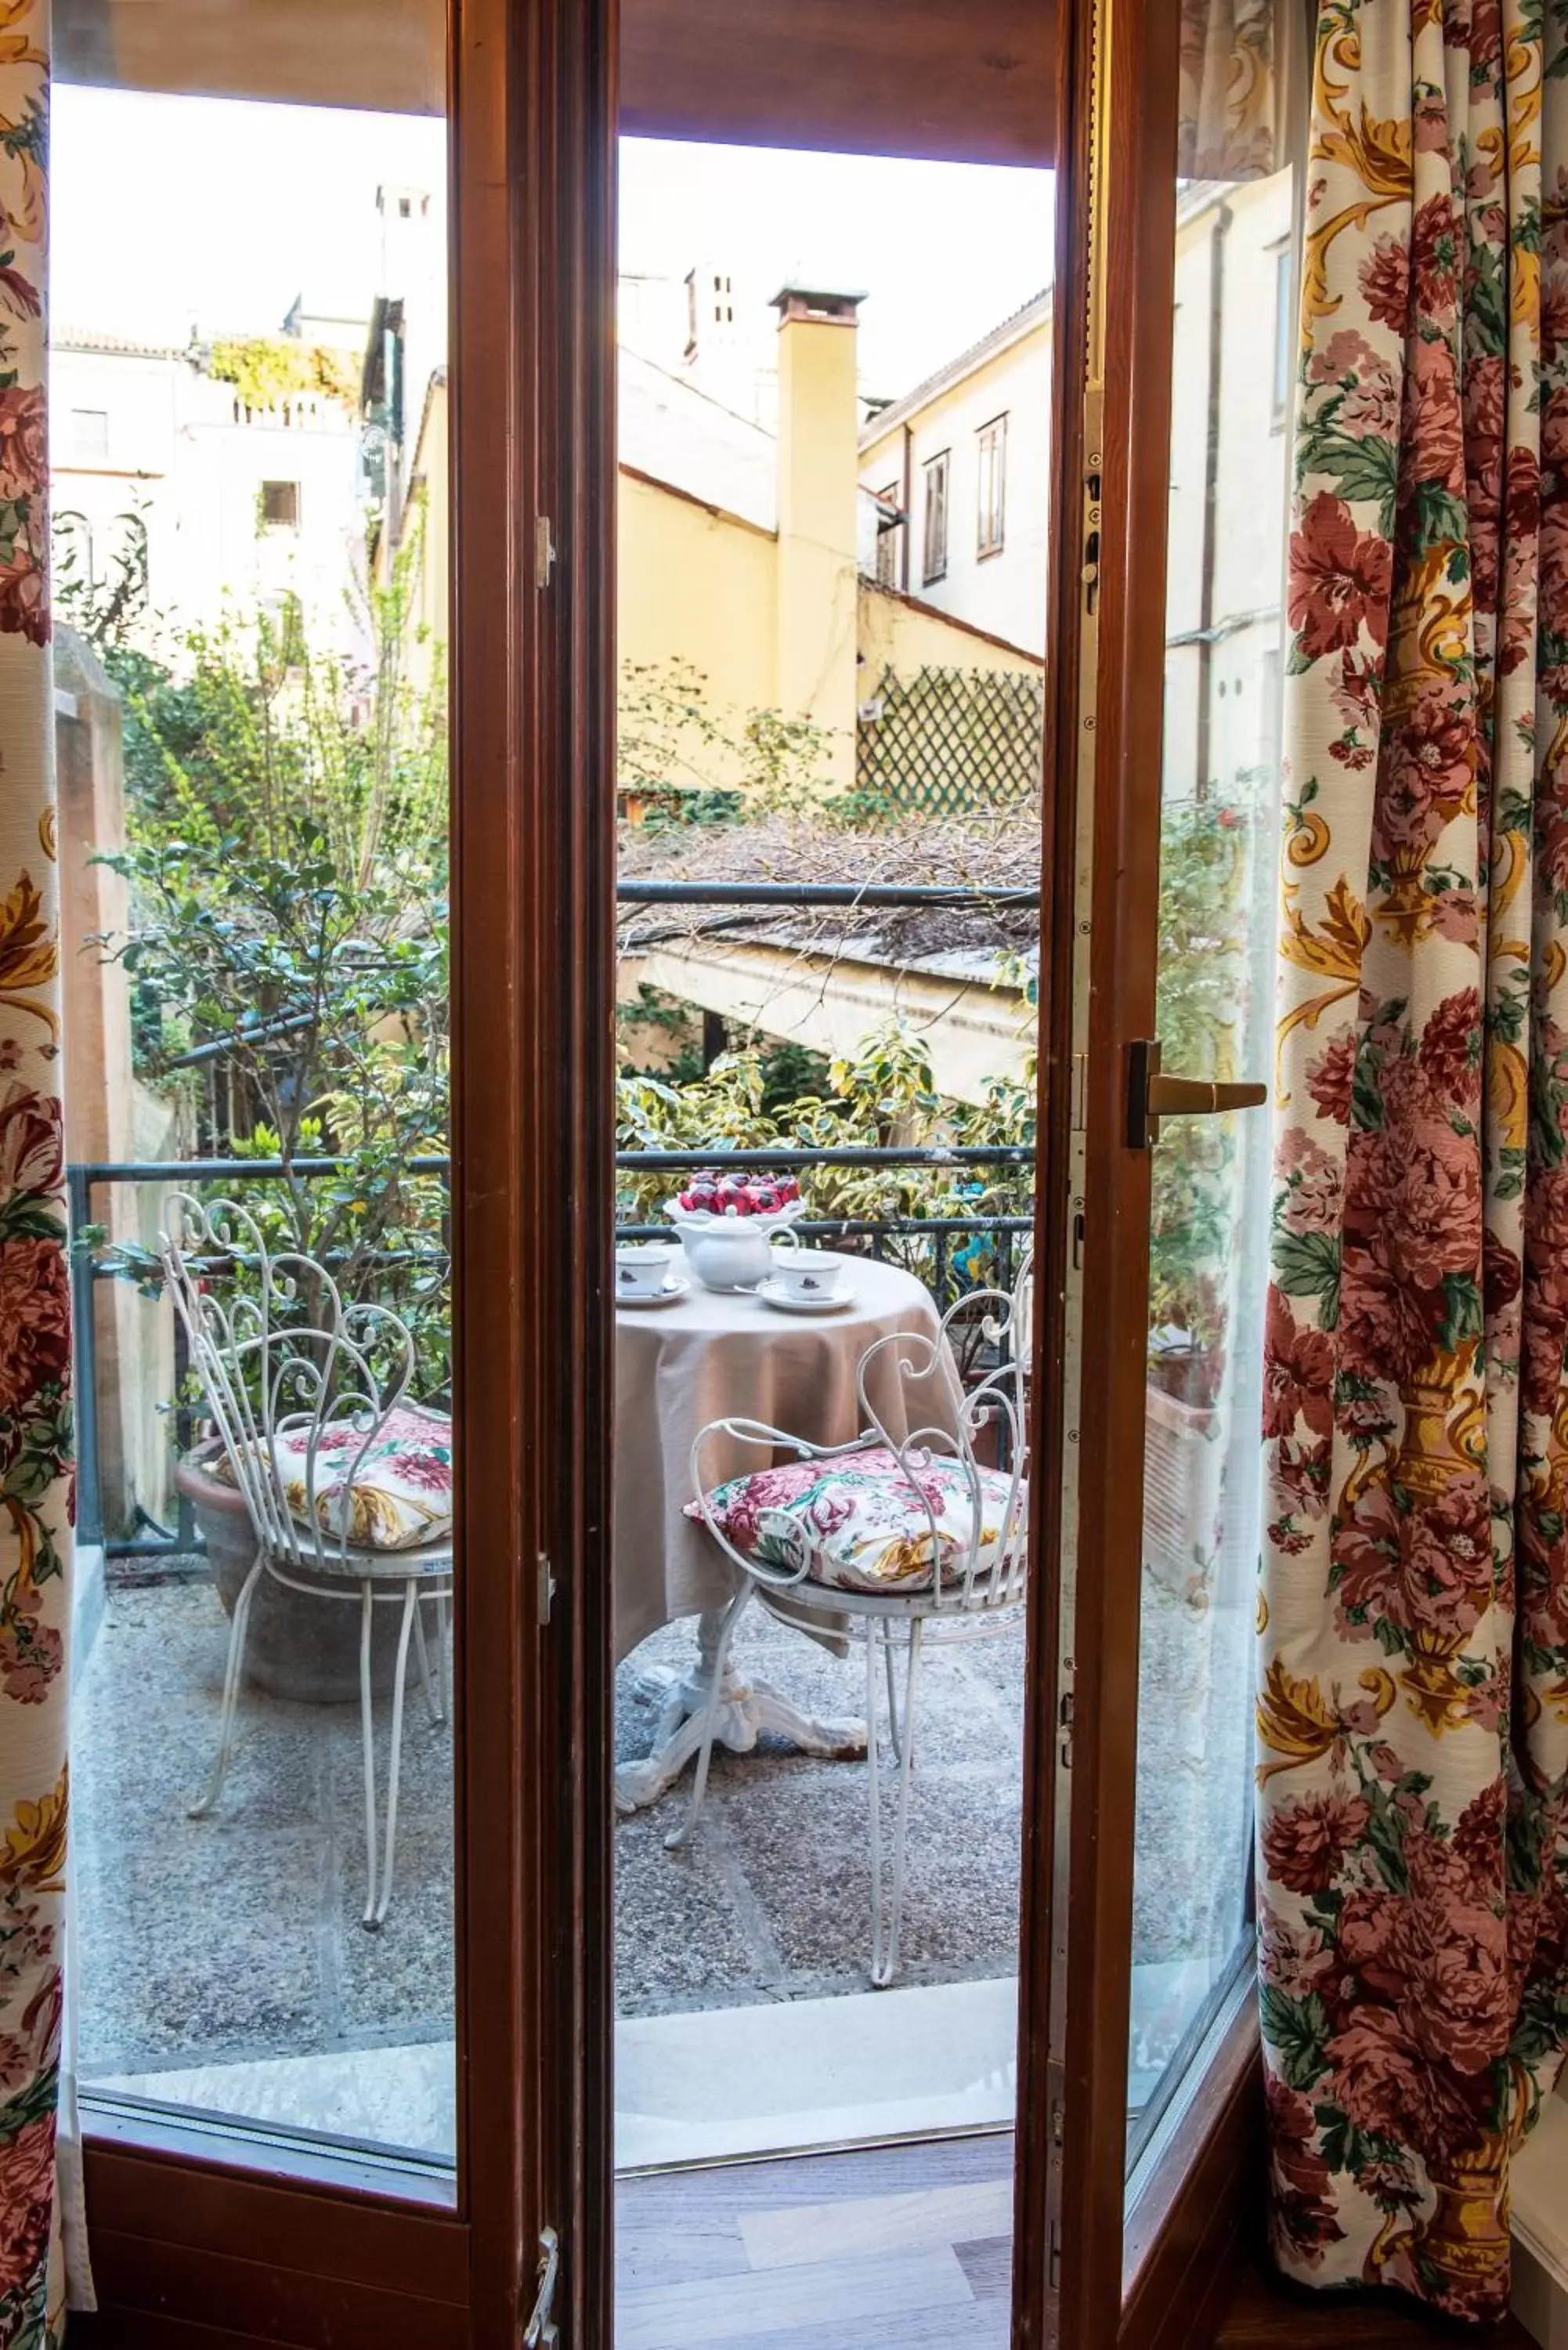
point(238, 1936)
point(235, 1939)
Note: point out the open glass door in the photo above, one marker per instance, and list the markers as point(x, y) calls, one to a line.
point(1175, 467)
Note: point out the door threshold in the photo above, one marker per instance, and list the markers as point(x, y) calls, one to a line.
point(815, 2075)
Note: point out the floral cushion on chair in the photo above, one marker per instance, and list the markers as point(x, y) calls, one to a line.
point(401, 1494)
point(856, 1523)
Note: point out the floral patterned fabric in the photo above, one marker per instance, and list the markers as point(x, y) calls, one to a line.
point(857, 1523)
point(35, 1317)
point(1413, 1717)
point(1228, 126)
point(396, 1496)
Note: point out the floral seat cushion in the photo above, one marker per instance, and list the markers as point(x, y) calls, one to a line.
point(397, 1496)
point(857, 1523)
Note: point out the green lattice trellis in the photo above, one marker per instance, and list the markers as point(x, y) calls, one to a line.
point(950, 741)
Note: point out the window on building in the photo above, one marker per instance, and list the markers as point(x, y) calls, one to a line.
point(89, 435)
point(889, 539)
point(280, 505)
point(1285, 332)
point(75, 566)
point(992, 441)
point(934, 565)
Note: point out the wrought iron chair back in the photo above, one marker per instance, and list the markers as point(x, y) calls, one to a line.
point(300, 1386)
point(283, 1366)
point(972, 1586)
point(981, 1578)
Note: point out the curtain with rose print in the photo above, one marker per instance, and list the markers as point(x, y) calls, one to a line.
point(1413, 1715)
point(34, 1332)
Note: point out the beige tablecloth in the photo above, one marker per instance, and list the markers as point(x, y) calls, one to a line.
point(727, 1356)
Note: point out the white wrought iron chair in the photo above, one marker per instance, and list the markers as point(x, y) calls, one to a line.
point(285, 1361)
point(975, 1588)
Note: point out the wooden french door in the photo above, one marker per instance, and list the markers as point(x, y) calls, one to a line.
point(1162, 445)
point(194, 2242)
point(205, 2253)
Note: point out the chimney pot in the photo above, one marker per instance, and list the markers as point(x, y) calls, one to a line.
point(823, 307)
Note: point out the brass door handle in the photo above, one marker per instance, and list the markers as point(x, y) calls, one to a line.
point(1152, 1096)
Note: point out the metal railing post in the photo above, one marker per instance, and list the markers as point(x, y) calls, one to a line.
point(84, 1383)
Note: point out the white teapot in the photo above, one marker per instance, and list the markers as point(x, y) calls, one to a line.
point(731, 1252)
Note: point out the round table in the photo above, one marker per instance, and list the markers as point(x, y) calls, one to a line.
point(727, 1355)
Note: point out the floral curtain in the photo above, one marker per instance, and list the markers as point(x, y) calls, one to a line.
point(1229, 99)
point(35, 1336)
point(1413, 1716)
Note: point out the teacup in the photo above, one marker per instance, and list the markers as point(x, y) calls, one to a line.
point(806, 1276)
point(642, 1268)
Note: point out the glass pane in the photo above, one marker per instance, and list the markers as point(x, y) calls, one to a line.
point(823, 689)
point(248, 418)
point(1221, 787)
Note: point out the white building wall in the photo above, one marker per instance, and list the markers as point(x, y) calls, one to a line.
point(1242, 237)
point(181, 450)
point(1004, 593)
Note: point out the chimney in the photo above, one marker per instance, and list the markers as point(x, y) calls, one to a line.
point(818, 581)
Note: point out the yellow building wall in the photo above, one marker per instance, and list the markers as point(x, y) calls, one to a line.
point(699, 586)
point(695, 584)
point(904, 636)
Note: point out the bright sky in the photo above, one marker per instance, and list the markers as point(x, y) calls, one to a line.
point(174, 212)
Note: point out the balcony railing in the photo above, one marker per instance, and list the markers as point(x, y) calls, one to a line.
point(936, 1240)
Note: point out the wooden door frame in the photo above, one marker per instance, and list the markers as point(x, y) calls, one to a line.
point(1086, 2271)
point(194, 2253)
point(336, 2263)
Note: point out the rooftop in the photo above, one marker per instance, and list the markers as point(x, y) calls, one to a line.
point(1011, 329)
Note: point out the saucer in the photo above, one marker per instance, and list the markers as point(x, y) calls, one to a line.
point(677, 1286)
point(772, 1292)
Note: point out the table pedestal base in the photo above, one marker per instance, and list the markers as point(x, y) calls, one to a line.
point(747, 1710)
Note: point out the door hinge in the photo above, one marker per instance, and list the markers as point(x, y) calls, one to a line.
point(544, 551)
point(546, 1588)
point(541, 2333)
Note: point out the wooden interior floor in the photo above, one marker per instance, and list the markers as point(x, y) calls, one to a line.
point(1266, 2315)
point(902, 2249)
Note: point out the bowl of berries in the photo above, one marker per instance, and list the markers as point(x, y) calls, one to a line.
point(728, 1224)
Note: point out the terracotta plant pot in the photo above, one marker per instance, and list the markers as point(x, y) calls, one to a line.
point(296, 1646)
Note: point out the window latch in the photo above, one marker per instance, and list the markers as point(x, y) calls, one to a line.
point(544, 551)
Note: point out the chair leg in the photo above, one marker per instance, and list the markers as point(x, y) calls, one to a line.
point(885, 1940)
point(433, 1703)
point(367, 1740)
point(876, 1638)
point(688, 1828)
point(444, 1645)
point(400, 1679)
point(893, 1730)
point(233, 1672)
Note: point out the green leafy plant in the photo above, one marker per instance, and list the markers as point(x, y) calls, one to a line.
point(287, 878)
point(268, 369)
point(1205, 852)
point(679, 758)
point(884, 1093)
